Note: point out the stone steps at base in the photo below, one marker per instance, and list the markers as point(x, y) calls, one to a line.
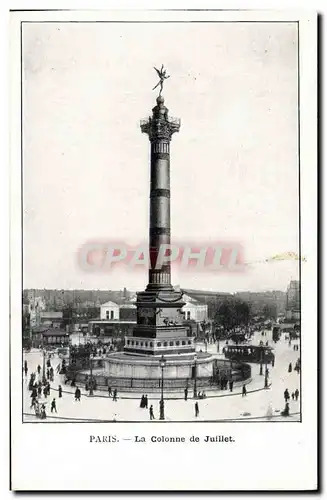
point(201, 385)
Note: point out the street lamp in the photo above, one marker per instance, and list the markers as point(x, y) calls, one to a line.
point(195, 375)
point(91, 376)
point(266, 377)
point(162, 404)
point(44, 380)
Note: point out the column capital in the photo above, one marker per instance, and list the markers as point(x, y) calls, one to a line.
point(160, 126)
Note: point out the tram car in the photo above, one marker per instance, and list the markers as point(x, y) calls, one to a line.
point(250, 353)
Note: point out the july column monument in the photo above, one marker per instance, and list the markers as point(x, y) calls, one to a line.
point(160, 329)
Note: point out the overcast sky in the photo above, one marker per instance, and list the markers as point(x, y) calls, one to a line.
point(234, 163)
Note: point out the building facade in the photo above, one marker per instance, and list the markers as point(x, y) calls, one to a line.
point(194, 310)
point(109, 311)
point(293, 301)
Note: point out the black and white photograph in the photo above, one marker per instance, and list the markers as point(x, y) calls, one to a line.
point(163, 260)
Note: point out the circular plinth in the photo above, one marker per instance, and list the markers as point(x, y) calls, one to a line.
point(128, 372)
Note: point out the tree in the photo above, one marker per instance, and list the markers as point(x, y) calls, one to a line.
point(232, 313)
point(269, 311)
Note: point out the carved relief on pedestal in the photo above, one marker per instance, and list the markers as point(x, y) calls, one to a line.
point(146, 316)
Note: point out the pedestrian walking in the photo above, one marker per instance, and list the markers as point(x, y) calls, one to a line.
point(293, 396)
point(244, 390)
point(231, 383)
point(290, 368)
point(53, 406)
point(33, 402)
point(77, 394)
point(142, 403)
point(43, 412)
point(60, 391)
point(196, 408)
point(34, 393)
point(296, 394)
point(185, 393)
point(286, 395)
point(146, 401)
point(286, 411)
point(109, 391)
point(151, 413)
point(114, 398)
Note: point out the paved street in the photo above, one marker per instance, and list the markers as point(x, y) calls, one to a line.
point(219, 405)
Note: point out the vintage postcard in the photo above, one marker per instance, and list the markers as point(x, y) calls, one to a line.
point(163, 258)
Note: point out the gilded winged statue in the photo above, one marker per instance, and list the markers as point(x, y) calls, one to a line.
point(162, 77)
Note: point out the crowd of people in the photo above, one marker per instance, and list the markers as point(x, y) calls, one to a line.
point(42, 378)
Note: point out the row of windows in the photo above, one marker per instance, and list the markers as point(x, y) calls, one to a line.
point(177, 343)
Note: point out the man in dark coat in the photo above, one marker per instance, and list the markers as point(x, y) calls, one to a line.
point(53, 405)
point(142, 403)
point(296, 394)
point(286, 411)
point(231, 383)
point(196, 409)
point(151, 413)
point(244, 390)
point(185, 393)
point(286, 395)
point(77, 394)
point(34, 393)
point(290, 368)
point(39, 369)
